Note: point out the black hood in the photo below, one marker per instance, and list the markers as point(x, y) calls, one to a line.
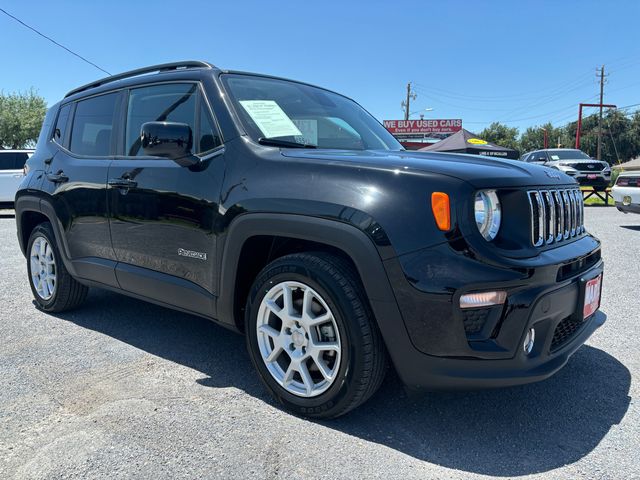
point(479, 171)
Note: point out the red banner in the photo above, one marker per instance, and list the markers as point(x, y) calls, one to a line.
point(403, 127)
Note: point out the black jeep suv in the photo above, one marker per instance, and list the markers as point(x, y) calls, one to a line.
point(287, 212)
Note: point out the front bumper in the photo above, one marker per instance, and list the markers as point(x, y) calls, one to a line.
point(596, 180)
point(446, 354)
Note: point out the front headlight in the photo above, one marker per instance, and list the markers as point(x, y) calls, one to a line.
point(568, 170)
point(488, 213)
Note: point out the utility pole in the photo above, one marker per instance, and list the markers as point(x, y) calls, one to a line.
point(405, 105)
point(599, 151)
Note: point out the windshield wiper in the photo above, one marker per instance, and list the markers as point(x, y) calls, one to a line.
point(274, 142)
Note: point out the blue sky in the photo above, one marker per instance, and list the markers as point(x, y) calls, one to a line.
point(519, 62)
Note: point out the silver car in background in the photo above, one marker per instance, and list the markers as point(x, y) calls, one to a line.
point(587, 171)
point(11, 174)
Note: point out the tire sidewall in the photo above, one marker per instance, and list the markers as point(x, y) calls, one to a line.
point(350, 364)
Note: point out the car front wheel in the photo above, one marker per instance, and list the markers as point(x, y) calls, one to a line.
point(312, 337)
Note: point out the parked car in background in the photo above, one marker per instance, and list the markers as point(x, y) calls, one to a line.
point(11, 174)
point(575, 163)
point(626, 192)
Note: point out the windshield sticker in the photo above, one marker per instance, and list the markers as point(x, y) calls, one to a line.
point(270, 118)
point(555, 157)
point(309, 131)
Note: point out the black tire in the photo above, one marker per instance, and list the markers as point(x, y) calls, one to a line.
point(68, 292)
point(363, 356)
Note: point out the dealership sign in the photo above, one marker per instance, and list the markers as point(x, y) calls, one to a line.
point(404, 127)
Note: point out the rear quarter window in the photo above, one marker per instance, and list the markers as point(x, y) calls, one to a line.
point(13, 160)
point(60, 130)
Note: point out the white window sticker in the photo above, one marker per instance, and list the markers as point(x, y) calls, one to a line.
point(555, 157)
point(270, 118)
point(309, 130)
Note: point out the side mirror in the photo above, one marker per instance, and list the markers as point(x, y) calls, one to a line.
point(169, 140)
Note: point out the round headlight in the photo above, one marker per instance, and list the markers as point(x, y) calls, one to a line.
point(488, 214)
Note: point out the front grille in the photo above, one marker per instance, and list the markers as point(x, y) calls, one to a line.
point(587, 167)
point(475, 319)
point(565, 330)
point(556, 215)
point(590, 167)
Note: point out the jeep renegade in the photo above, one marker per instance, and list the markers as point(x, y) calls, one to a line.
point(288, 213)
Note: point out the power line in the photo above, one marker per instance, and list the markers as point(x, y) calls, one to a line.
point(53, 41)
point(613, 141)
point(629, 106)
point(556, 88)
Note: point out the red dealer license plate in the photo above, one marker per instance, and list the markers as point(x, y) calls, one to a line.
point(592, 296)
point(592, 176)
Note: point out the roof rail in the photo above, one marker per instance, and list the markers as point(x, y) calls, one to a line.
point(164, 67)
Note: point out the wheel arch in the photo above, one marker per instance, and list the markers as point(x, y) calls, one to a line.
point(28, 217)
point(322, 234)
point(32, 210)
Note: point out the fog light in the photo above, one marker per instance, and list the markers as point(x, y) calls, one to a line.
point(529, 339)
point(482, 299)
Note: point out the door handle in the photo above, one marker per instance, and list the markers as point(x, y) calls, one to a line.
point(59, 177)
point(122, 183)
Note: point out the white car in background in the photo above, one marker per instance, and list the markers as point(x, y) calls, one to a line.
point(11, 174)
point(626, 192)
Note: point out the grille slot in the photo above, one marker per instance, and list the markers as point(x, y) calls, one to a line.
point(574, 268)
point(474, 320)
point(565, 331)
point(556, 215)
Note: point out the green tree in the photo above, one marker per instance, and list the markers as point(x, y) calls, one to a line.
point(21, 116)
point(500, 135)
point(533, 137)
point(629, 140)
point(620, 136)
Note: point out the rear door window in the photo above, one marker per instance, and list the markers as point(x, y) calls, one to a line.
point(93, 126)
point(20, 159)
point(13, 160)
point(7, 160)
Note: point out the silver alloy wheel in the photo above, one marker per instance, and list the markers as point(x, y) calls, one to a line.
point(43, 268)
point(298, 339)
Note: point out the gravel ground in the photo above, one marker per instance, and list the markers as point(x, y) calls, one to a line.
point(125, 389)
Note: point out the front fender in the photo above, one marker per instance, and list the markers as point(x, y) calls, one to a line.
point(353, 242)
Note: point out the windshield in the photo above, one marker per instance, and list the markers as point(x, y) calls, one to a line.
point(568, 155)
point(283, 113)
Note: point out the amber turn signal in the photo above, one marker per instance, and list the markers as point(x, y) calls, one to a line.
point(441, 210)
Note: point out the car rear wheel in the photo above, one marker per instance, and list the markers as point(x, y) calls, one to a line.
point(54, 289)
point(312, 337)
